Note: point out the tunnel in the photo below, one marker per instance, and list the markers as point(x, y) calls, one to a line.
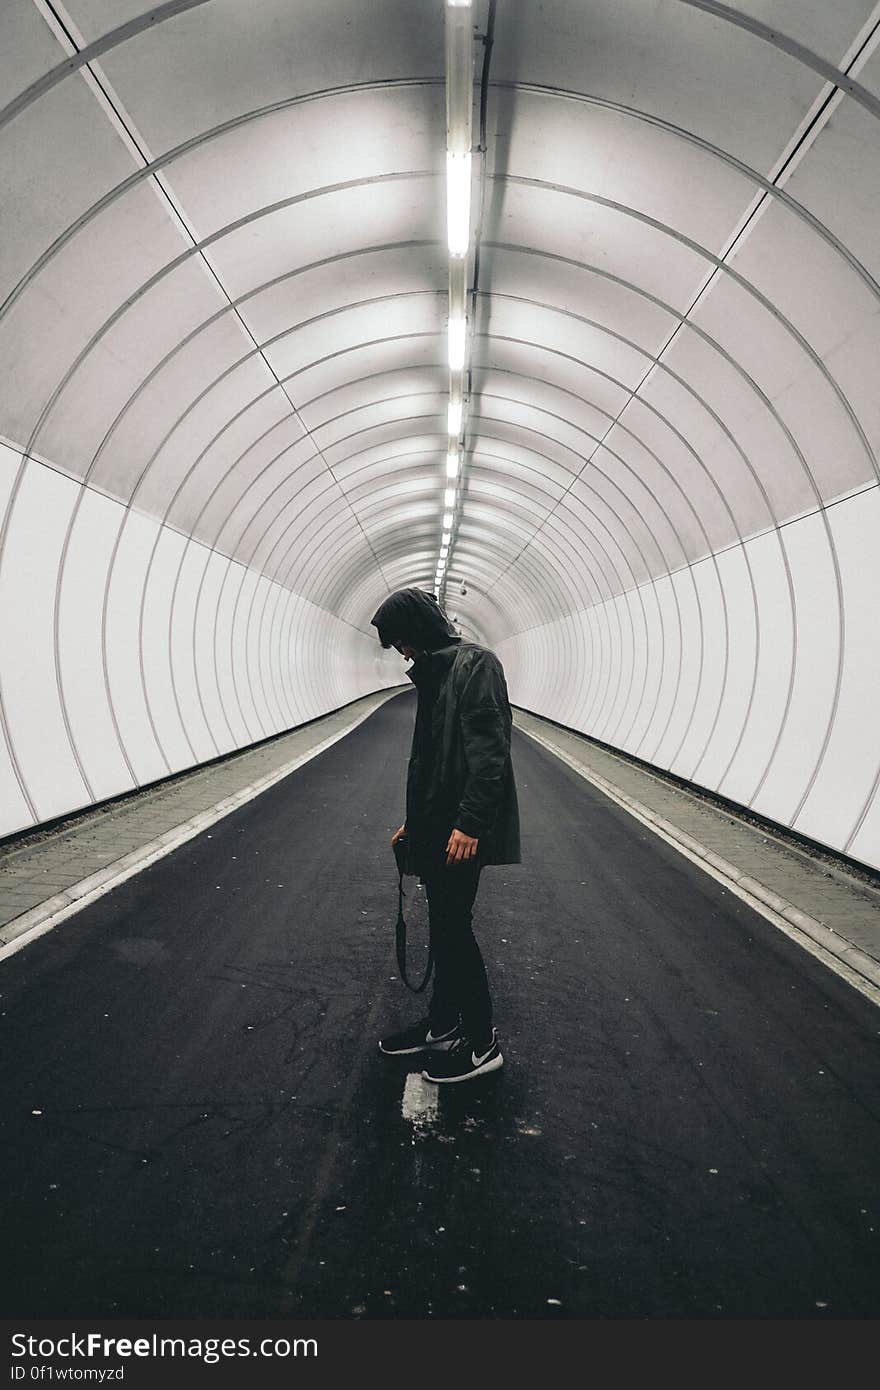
point(566, 313)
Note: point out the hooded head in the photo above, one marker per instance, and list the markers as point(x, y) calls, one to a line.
point(413, 618)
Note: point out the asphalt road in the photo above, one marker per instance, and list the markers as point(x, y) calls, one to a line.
point(196, 1121)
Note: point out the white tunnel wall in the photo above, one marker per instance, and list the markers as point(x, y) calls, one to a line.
point(750, 673)
point(132, 652)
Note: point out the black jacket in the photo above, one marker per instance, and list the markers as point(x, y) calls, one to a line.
point(460, 772)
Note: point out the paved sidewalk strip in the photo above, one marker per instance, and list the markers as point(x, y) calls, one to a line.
point(50, 874)
point(822, 907)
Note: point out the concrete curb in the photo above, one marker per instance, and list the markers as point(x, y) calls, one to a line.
point(46, 915)
point(846, 960)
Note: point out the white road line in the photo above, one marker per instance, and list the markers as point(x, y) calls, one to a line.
point(46, 915)
point(827, 946)
point(420, 1103)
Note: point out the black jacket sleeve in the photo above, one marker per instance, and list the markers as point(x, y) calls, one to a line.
point(484, 714)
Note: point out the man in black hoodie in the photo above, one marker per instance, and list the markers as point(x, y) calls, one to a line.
point(461, 813)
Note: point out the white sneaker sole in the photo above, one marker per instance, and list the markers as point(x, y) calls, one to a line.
point(412, 1051)
point(484, 1070)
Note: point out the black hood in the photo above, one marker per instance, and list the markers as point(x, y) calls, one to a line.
point(414, 618)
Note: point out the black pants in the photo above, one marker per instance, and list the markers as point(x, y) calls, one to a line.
point(460, 987)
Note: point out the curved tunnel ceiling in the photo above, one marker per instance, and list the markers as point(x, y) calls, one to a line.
point(223, 278)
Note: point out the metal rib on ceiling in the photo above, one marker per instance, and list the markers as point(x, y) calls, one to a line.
point(127, 32)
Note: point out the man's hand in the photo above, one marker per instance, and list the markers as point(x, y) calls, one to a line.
point(398, 835)
point(460, 847)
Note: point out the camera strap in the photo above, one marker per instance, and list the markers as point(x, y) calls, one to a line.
point(400, 943)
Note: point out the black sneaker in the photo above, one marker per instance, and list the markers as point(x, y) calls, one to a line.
point(461, 1063)
point(418, 1038)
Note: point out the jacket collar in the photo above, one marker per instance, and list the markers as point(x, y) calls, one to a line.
point(433, 666)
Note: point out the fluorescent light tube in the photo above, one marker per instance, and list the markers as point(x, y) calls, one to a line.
point(451, 465)
point(459, 44)
point(446, 537)
point(449, 497)
point(458, 202)
point(453, 418)
point(457, 338)
point(457, 279)
point(447, 521)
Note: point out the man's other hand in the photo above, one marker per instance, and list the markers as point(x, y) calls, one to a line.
point(398, 834)
point(460, 847)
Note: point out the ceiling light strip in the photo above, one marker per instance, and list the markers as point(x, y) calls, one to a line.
point(459, 174)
